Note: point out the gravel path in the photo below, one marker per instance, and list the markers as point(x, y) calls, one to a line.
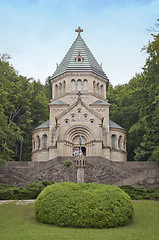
point(17, 202)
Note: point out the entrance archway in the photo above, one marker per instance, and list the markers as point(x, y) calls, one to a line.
point(79, 136)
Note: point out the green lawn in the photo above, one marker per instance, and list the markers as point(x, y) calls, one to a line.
point(19, 223)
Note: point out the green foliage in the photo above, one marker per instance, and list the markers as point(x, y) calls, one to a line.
point(9, 192)
point(140, 193)
point(23, 106)
point(68, 163)
point(84, 205)
point(135, 106)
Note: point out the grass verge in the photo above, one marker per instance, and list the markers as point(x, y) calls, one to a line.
point(17, 222)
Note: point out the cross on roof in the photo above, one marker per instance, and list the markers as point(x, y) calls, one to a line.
point(79, 30)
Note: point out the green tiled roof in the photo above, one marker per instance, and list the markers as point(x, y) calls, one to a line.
point(88, 64)
point(114, 125)
point(58, 102)
point(99, 102)
point(43, 125)
point(111, 125)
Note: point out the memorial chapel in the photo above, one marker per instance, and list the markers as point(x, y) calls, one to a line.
point(79, 111)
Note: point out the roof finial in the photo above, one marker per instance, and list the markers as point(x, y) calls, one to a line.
point(79, 30)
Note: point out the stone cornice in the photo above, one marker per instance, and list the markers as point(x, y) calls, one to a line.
point(78, 74)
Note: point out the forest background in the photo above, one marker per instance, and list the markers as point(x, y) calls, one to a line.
point(134, 106)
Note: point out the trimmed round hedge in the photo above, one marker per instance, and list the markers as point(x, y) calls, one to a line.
point(84, 205)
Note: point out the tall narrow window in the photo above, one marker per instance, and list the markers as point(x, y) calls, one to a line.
point(79, 85)
point(73, 85)
point(113, 141)
point(33, 147)
point(94, 86)
point(38, 142)
point(56, 90)
point(119, 142)
point(45, 141)
point(85, 85)
point(85, 117)
point(73, 117)
point(64, 86)
point(98, 88)
point(124, 144)
point(60, 88)
point(79, 115)
point(102, 90)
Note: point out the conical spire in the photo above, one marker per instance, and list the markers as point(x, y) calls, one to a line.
point(79, 59)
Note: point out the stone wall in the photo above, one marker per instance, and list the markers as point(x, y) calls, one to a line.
point(96, 169)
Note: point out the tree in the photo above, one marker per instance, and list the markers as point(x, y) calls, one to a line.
point(135, 106)
point(23, 105)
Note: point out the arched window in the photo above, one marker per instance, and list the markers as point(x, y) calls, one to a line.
point(113, 141)
point(73, 85)
point(44, 138)
point(102, 90)
point(38, 142)
point(119, 142)
point(33, 147)
point(56, 90)
point(64, 86)
point(73, 117)
point(60, 88)
point(79, 114)
point(124, 143)
point(85, 85)
point(91, 122)
point(79, 85)
point(94, 86)
point(66, 122)
point(85, 117)
point(98, 88)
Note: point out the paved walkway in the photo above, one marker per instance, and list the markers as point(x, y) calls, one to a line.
point(17, 202)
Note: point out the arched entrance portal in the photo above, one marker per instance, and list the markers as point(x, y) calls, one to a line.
point(80, 137)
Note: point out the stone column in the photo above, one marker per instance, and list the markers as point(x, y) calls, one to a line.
point(80, 165)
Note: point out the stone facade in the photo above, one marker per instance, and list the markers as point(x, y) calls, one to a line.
point(96, 169)
point(79, 107)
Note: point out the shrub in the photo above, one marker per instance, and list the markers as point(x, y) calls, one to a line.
point(9, 192)
point(68, 163)
point(83, 205)
point(140, 193)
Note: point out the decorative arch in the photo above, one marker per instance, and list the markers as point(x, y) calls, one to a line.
point(77, 130)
